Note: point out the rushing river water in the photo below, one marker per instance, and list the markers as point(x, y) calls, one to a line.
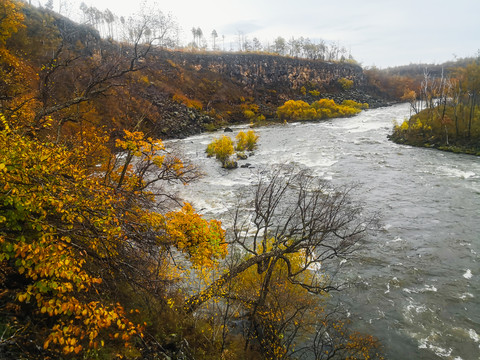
point(419, 288)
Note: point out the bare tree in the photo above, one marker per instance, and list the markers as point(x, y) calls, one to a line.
point(199, 36)
point(76, 75)
point(293, 213)
point(214, 38)
point(287, 243)
point(194, 33)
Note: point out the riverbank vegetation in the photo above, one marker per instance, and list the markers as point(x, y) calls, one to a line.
point(322, 109)
point(223, 148)
point(99, 258)
point(446, 112)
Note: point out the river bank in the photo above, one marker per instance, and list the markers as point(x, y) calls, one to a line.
point(458, 147)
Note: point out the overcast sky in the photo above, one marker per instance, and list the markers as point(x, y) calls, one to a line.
point(377, 32)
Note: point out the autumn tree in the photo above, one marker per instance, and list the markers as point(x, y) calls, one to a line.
point(445, 110)
point(83, 68)
point(471, 88)
point(17, 76)
point(87, 221)
point(68, 233)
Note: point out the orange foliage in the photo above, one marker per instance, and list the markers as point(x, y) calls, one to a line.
point(195, 104)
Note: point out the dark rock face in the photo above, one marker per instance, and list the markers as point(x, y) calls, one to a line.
point(227, 83)
point(176, 120)
point(270, 71)
point(271, 80)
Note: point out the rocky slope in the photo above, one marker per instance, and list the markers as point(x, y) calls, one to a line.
point(219, 87)
point(174, 93)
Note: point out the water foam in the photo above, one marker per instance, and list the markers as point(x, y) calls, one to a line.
point(468, 274)
point(429, 288)
point(439, 351)
point(473, 335)
point(452, 172)
point(466, 296)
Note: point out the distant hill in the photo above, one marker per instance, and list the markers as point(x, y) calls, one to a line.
point(418, 70)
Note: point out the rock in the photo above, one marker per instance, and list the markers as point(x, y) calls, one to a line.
point(230, 164)
point(246, 166)
point(227, 129)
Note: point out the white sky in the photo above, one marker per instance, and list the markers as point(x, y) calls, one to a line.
point(377, 32)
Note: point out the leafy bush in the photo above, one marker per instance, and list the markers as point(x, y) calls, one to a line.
point(182, 99)
point(246, 141)
point(251, 139)
point(221, 148)
point(321, 109)
point(345, 83)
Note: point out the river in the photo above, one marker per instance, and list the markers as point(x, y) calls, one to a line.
point(418, 278)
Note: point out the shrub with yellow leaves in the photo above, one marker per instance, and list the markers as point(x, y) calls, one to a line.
point(69, 235)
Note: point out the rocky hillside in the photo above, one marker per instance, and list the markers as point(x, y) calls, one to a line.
point(224, 85)
point(169, 93)
point(272, 78)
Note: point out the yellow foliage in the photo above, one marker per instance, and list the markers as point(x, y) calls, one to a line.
point(17, 77)
point(287, 307)
point(345, 83)
point(246, 141)
point(11, 19)
point(241, 140)
point(409, 95)
point(404, 126)
point(46, 198)
point(249, 114)
point(203, 241)
point(222, 148)
point(321, 109)
point(261, 117)
point(62, 222)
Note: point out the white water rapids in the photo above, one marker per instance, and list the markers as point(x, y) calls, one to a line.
point(419, 277)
